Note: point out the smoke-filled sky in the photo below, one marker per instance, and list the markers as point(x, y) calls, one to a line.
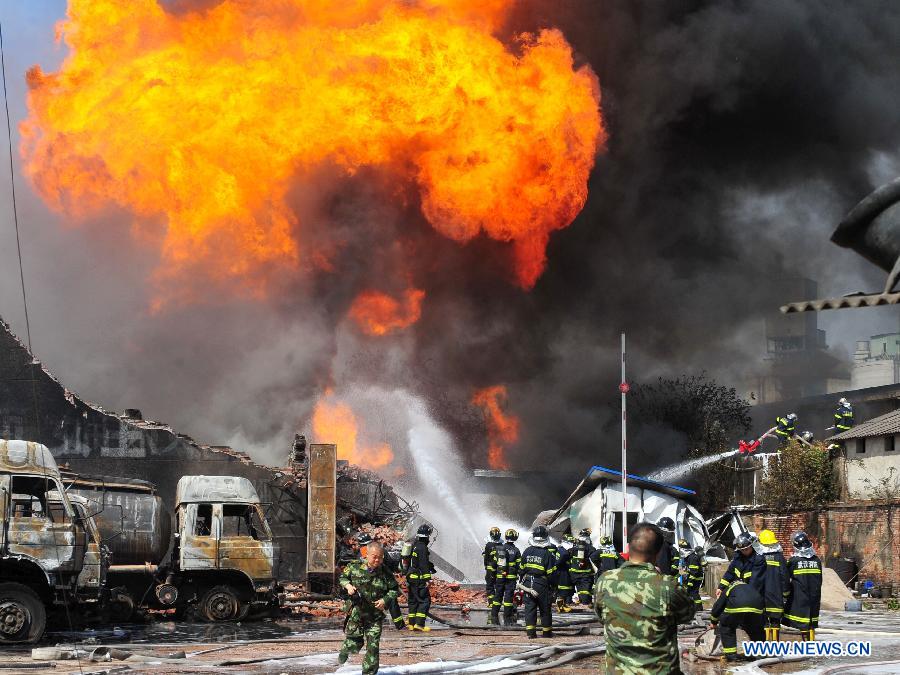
point(738, 135)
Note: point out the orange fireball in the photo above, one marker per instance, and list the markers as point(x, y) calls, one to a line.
point(502, 429)
point(200, 123)
point(380, 314)
point(334, 422)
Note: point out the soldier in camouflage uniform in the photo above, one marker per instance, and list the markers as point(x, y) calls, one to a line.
point(370, 585)
point(641, 609)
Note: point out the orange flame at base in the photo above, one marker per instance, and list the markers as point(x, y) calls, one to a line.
point(334, 422)
point(503, 429)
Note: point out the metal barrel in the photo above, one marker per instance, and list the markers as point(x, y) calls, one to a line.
point(872, 228)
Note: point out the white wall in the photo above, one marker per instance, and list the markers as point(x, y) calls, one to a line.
point(873, 464)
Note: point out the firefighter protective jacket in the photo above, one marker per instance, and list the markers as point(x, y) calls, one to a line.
point(738, 598)
point(775, 583)
point(606, 558)
point(580, 559)
point(420, 567)
point(693, 565)
point(784, 428)
point(843, 419)
point(749, 569)
point(490, 555)
point(805, 576)
point(538, 568)
point(669, 560)
point(508, 559)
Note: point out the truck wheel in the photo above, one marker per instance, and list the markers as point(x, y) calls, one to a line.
point(220, 603)
point(22, 614)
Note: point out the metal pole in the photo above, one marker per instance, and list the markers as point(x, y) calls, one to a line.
point(623, 387)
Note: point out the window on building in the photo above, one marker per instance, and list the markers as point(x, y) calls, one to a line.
point(203, 523)
point(860, 445)
point(888, 443)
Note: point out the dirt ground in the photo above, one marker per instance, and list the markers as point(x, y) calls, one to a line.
point(311, 647)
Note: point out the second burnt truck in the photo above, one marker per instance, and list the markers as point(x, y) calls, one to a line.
point(217, 565)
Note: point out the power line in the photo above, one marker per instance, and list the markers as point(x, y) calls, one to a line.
point(12, 183)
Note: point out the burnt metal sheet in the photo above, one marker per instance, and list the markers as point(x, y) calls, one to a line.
point(224, 489)
point(26, 457)
point(322, 507)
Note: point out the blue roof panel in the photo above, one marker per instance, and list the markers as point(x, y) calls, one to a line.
point(596, 472)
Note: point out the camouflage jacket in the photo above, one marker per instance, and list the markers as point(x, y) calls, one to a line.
point(372, 586)
point(641, 609)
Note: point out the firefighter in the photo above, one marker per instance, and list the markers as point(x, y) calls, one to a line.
point(605, 557)
point(785, 427)
point(843, 416)
point(694, 571)
point(535, 579)
point(418, 576)
point(489, 555)
point(564, 588)
point(581, 571)
point(740, 606)
point(805, 576)
point(392, 562)
point(508, 560)
point(668, 561)
point(747, 565)
point(775, 584)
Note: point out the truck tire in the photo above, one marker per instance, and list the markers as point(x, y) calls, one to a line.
point(22, 614)
point(220, 603)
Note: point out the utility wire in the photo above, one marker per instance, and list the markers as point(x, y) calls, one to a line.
point(37, 418)
point(12, 183)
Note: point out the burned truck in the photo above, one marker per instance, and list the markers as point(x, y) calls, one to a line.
point(218, 566)
point(51, 558)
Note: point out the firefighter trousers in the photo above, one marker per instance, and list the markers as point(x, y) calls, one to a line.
point(504, 591)
point(419, 602)
point(564, 588)
point(538, 605)
point(490, 581)
point(583, 583)
point(393, 608)
point(752, 623)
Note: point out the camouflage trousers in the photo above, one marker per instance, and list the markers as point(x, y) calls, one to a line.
point(360, 629)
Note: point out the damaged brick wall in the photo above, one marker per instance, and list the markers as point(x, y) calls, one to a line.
point(866, 532)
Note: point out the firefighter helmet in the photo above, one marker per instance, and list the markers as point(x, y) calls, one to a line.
point(511, 535)
point(800, 540)
point(844, 403)
point(605, 540)
point(792, 417)
point(363, 539)
point(744, 540)
point(666, 523)
point(767, 538)
point(424, 531)
point(807, 436)
point(540, 535)
point(495, 534)
point(699, 550)
point(585, 533)
point(682, 543)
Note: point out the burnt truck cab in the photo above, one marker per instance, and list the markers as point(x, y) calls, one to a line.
point(223, 557)
point(43, 544)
